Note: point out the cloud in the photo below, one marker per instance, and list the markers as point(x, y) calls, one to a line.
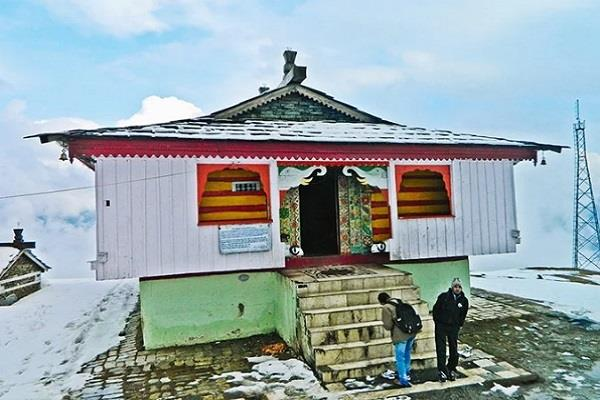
point(4, 85)
point(60, 222)
point(125, 18)
point(406, 46)
point(544, 213)
point(116, 17)
point(161, 109)
point(420, 67)
point(7, 79)
point(62, 123)
point(369, 76)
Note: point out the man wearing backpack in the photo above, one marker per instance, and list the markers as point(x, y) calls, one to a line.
point(449, 313)
point(404, 323)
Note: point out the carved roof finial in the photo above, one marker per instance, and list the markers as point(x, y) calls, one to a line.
point(292, 73)
point(18, 242)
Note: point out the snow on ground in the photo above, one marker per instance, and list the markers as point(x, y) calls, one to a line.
point(508, 391)
point(579, 300)
point(281, 379)
point(47, 336)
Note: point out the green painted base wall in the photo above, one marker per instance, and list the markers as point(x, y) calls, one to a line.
point(203, 309)
point(435, 277)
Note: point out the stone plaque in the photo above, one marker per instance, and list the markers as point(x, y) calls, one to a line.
point(244, 238)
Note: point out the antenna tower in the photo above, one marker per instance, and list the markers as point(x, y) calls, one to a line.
point(586, 234)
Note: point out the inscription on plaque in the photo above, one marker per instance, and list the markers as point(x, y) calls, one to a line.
point(244, 238)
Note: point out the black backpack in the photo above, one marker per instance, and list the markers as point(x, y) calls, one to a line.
point(407, 319)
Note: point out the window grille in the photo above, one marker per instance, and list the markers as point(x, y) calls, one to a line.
point(246, 186)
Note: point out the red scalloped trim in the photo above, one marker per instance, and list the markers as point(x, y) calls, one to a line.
point(132, 147)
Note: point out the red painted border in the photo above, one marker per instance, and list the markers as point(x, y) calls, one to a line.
point(206, 273)
point(338, 163)
point(280, 270)
point(444, 170)
point(305, 262)
point(111, 146)
point(203, 170)
point(231, 222)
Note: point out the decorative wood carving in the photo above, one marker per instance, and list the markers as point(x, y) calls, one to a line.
point(290, 177)
point(376, 176)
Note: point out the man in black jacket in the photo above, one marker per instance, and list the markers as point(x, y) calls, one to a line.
point(449, 313)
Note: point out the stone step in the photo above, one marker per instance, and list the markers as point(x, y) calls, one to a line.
point(309, 301)
point(357, 351)
point(420, 389)
point(358, 332)
point(354, 282)
point(358, 369)
point(353, 314)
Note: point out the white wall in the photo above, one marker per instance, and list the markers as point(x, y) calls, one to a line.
point(484, 215)
point(151, 226)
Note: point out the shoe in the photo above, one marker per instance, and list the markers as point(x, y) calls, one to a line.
point(452, 376)
point(401, 384)
point(442, 377)
point(389, 375)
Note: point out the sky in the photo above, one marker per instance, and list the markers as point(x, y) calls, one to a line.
point(507, 68)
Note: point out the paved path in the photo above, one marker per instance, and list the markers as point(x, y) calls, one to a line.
point(129, 372)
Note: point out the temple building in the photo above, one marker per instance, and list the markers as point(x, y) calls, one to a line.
point(289, 212)
point(20, 270)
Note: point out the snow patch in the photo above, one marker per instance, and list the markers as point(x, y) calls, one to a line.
point(46, 337)
point(508, 391)
point(280, 379)
point(574, 299)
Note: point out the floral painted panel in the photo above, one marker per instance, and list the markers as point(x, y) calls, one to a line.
point(289, 214)
point(354, 216)
point(344, 214)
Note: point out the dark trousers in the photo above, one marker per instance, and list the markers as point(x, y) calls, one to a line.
point(445, 332)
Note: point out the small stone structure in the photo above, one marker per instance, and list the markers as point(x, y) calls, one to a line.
point(20, 269)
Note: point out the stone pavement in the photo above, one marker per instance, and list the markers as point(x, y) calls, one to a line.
point(485, 306)
point(127, 371)
point(475, 368)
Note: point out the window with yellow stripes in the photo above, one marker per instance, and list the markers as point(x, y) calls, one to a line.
point(233, 195)
point(423, 193)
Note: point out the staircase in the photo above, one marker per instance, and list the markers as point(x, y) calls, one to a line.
point(340, 328)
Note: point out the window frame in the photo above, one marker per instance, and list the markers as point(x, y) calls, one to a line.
point(263, 171)
point(444, 169)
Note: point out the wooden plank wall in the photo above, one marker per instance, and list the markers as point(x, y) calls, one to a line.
point(484, 215)
point(151, 226)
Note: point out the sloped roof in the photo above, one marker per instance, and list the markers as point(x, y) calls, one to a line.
point(208, 128)
point(8, 256)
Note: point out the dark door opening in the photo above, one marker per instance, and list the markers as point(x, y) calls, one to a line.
point(319, 231)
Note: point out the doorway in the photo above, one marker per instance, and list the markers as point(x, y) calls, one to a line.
point(319, 230)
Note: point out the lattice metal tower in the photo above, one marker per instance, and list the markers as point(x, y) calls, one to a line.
point(586, 234)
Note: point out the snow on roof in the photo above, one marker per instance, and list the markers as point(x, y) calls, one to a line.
point(36, 260)
point(206, 128)
point(9, 254)
point(6, 256)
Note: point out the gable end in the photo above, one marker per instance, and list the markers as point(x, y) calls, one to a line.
point(295, 107)
point(296, 103)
